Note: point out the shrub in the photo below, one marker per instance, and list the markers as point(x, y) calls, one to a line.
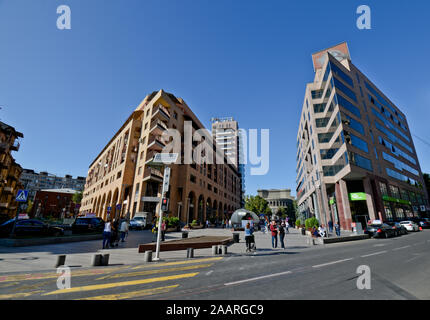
point(298, 223)
point(194, 223)
point(172, 222)
point(311, 222)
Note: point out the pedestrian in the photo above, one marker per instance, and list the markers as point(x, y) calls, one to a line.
point(274, 231)
point(229, 223)
point(106, 234)
point(248, 236)
point(330, 226)
point(321, 231)
point(207, 223)
point(163, 230)
point(287, 226)
point(337, 228)
point(223, 223)
point(123, 229)
point(282, 234)
point(154, 231)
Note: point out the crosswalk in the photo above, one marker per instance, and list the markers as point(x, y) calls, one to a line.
point(112, 283)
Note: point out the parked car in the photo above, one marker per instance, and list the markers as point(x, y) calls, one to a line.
point(398, 228)
point(423, 223)
point(87, 225)
point(29, 227)
point(380, 231)
point(137, 224)
point(410, 226)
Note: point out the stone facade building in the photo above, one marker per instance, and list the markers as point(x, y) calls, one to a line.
point(121, 181)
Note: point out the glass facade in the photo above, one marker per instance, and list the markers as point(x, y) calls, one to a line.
point(347, 91)
point(358, 143)
point(399, 164)
point(338, 72)
point(360, 161)
point(352, 123)
point(348, 106)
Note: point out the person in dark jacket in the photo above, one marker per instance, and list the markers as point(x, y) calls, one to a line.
point(282, 230)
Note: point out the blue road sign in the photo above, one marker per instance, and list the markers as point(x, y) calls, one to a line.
point(22, 196)
point(109, 209)
point(118, 206)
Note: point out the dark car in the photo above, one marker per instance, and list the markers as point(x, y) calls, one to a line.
point(398, 228)
point(29, 227)
point(423, 222)
point(380, 231)
point(88, 225)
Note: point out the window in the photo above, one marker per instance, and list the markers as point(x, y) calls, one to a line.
point(319, 108)
point(193, 178)
point(348, 106)
point(118, 175)
point(394, 192)
point(317, 94)
point(360, 161)
point(338, 72)
point(327, 154)
point(399, 164)
point(330, 171)
point(383, 188)
point(392, 137)
point(339, 85)
point(396, 175)
point(356, 142)
point(352, 123)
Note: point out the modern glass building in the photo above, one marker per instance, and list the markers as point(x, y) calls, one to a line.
point(356, 160)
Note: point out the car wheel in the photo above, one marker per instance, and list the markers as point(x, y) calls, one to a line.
point(386, 235)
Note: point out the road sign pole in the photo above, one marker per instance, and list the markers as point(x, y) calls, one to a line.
point(166, 180)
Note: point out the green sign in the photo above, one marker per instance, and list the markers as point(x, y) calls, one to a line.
point(359, 196)
point(391, 199)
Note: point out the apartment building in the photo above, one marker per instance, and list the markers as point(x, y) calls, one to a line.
point(10, 171)
point(356, 159)
point(33, 182)
point(227, 135)
point(121, 182)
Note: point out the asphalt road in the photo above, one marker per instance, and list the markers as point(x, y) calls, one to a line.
point(400, 269)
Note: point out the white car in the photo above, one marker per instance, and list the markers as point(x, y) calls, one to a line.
point(410, 225)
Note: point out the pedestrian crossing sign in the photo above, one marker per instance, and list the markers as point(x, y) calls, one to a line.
point(22, 196)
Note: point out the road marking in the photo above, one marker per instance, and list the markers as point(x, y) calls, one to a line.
point(373, 254)
point(177, 263)
point(148, 272)
point(401, 248)
point(121, 284)
point(51, 275)
point(380, 245)
point(208, 273)
point(133, 294)
point(330, 263)
point(257, 278)
point(18, 295)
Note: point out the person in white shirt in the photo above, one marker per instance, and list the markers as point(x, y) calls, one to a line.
point(321, 231)
point(106, 234)
point(123, 229)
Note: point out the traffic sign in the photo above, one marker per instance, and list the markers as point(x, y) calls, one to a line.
point(22, 196)
point(166, 158)
point(109, 209)
point(166, 180)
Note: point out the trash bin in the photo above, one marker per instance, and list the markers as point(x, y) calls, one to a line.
point(184, 234)
point(303, 232)
point(235, 237)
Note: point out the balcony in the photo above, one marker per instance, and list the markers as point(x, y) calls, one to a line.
point(155, 144)
point(157, 127)
point(161, 113)
point(3, 147)
point(149, 156)
point(15, 146)
point(8, 190)
point(152, 174)
point(4, 205)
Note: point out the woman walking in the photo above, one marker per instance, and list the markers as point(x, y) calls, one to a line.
point(106, 234)
point(249, 236)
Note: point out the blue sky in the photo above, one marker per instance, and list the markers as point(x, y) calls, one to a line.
point(70, 91)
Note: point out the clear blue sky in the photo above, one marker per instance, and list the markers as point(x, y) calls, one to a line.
point(70, 91)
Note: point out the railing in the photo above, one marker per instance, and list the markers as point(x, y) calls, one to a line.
point(162, 109)
point(158, 122)
point(152, 172)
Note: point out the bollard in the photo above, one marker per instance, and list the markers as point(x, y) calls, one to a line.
point(190, 253)
point(105, 260)
point(214, 250)
point(97, 260)
point(61, 260)
point(224, 250)
point(148, 256)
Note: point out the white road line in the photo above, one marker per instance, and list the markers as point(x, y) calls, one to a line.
point(401, 248)
point(208, 273)
point(330, 263)
point(374, 254)
point(257, 278)
point(380, 245)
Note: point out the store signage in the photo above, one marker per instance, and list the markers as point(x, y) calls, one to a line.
point(359, 196)
point(391, 199)
point(150, 199)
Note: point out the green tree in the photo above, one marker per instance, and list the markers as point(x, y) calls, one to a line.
point(77, 197)
point(257, 205)
point(29, 207)
point(282, 212)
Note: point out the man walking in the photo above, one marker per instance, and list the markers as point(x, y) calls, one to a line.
point(330, 226)
point(282, 234)
point(123, 229)
point(337, 228)
point(274, 231)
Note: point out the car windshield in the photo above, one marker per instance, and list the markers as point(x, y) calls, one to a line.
point(138, 218)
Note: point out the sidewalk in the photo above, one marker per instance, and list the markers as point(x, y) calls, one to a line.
point(80, 254)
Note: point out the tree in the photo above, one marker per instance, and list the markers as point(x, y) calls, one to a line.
point(77, 197)
point(29, 207)
point(257, 205)
point(282, 212)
